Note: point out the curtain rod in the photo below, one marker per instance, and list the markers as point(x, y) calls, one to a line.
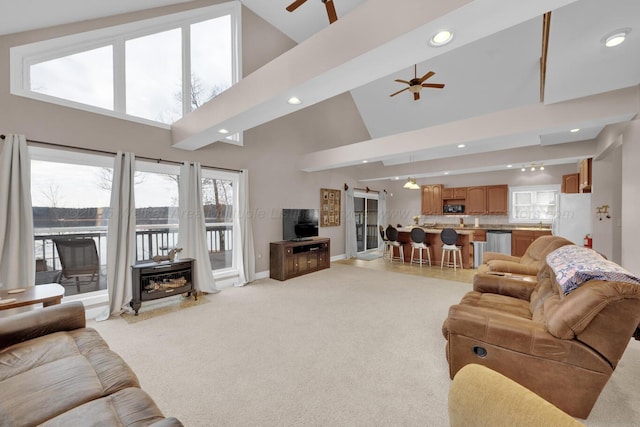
point(111, 153)
point(366, 189)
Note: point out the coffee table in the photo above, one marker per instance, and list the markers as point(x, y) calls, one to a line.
point(48, 294)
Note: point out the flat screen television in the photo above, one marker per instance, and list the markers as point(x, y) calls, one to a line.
point(299, 224)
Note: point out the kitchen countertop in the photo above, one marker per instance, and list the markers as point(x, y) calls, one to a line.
point(429, 228)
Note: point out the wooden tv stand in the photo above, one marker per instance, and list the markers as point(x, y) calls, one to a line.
point(289, 259)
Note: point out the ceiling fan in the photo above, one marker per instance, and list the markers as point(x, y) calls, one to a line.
point(416, 84)
point(331, 10)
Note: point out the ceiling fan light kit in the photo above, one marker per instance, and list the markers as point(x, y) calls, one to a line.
point(416, 84)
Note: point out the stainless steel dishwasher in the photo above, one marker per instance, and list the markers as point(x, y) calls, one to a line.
point(499, 241)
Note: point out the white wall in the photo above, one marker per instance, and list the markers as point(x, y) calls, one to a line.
point(630, 254)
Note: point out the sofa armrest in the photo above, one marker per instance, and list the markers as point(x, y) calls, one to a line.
point(490, 256)
point(32, 324)
point(512, 267)
point(167, 422)
point(504, 285)
point(482, 396)
point(503, 329)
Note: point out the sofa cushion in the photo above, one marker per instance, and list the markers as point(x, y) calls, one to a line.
point(46, 376)
point(574, 265)
point(128, 407)
point(502, 303)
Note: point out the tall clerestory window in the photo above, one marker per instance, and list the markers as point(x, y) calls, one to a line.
point(153, 71)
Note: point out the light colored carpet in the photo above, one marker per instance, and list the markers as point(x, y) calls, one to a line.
point(159, 307)
point(347, 346)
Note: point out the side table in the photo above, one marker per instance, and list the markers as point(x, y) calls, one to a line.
point(48, 294)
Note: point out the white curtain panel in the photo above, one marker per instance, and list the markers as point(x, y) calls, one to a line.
point(245, 258)
point(382, 215)
point(121, 235)
point(17, 259)
point(351, 242)
point(192, 234)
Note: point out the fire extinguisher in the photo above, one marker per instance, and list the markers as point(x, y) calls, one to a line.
point(588, 241)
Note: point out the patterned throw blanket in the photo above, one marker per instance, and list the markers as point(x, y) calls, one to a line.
point(574, 265)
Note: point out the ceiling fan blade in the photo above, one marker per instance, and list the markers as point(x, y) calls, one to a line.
point(401, 90)
point(296, 4)
point(402, 81)
point(433, 85)
point(426, 76)
point(331, 11)
point(416, 96)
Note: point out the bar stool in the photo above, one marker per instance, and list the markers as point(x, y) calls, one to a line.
point(392, 235)
point(418, 237)
point(449, 238)
point(387, 246)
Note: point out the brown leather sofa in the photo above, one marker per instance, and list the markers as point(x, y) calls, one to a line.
point(56, 372)
point(562, 347)
point(529, 264)
point(480, 396)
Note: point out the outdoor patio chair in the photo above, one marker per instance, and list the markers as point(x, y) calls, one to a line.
point(80, 262)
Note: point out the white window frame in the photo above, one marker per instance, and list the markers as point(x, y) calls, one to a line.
point(24, 56)
point(529, 188)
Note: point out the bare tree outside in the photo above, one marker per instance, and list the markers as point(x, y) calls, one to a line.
point(105, 178)
point(52, 194)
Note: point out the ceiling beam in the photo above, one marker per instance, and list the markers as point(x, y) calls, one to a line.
point(531, 120)
point(371, 42)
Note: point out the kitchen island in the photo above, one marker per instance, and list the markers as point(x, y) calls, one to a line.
point(465, 237)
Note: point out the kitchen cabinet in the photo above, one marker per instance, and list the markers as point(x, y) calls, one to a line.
point(454, 193)
point(476, 200)
point(479, 235)
point(585, 175)
point(432, 199)
point(487, 200)
point(497, 199)
point(521, 239)
point(570, 183)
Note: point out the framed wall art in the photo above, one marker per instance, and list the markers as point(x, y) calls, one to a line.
point(329, 207)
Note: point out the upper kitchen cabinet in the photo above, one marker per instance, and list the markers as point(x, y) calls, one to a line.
point(585, 175)
point(487, 200)
point(476, 200)
point(432, 199)
point(570, 183)
point(497, 199)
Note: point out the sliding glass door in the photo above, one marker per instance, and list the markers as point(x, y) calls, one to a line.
point(366, 210)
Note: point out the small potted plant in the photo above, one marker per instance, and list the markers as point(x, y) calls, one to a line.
point(416, 219)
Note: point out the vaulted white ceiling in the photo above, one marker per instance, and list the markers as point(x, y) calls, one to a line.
point(491, 100)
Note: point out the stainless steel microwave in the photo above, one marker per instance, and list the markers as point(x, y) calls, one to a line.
point(453, 208)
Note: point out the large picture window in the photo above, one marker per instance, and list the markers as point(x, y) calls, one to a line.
point(71, 194)
point(153, 71)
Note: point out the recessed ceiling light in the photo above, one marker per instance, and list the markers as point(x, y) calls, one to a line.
point(446, 173)
point(441, 38)
point(616, 37)
point(575, 130)
point(461, 145)
point(224, 131)
point(509, 166)
point(397, 178)
point(294, 100)
point(523, 169)
point(365, 161)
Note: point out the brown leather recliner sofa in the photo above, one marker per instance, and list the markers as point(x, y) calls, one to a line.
point(56, 372)
point(562, 345)
point(529, 264)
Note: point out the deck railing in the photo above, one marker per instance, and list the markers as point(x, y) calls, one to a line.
point(151, 240)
